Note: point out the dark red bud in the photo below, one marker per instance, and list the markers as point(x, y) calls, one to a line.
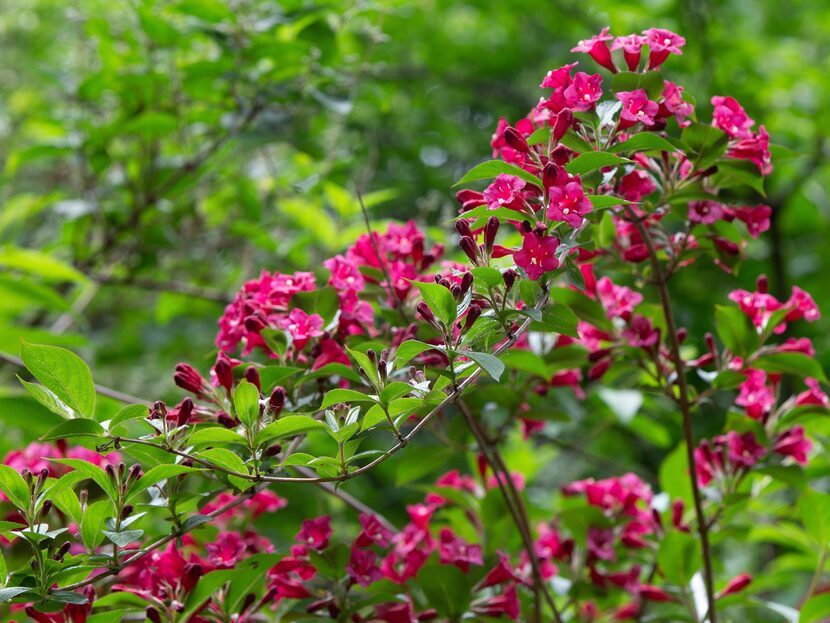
point(682, 333)
point(470, 248)
point(509, 277)
point(563, 123)
point(152, 615)
point(462, 226)
point(277, 401)
point(185, 411)
point(466, 282)
point(600, 368)
point(762, 284)
point(425, 312)
point(127, 511)
point(190, 575)
point(515, 140)
point(225, 420)
point(252, 376)
point(255, 323)
point(188, 378)
point(550, 175)
point(473, 314)
point(490, 231)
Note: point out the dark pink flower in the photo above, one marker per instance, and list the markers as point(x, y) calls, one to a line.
point(636, 185)
point(801, 305)
point(505, 191)
point(373, 532)
point(584, 91)
point(558, 79)
point(675, 104)
point(812, 396)
point(507, 604)
point(756, 218)
point(345, 274)
point(453, 550)
point(501, 573)
point(597, 47)
point(730, 117)
point(302, 327)
point(793, 443)
point(661, 43)
point(755, 395)
point(362, 567)
point(759, 306)
point(640, 332)
point(537, 255)
point(632, 47)
point(618, 301)
point(706, 212)
point(315, 533)
point(755, 149)
point(568, 203)
point(637, 108)
point(743, 450)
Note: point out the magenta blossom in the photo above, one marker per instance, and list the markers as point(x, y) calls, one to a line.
point(636, 185)
point(675, 104)
point(597, 47)
point(505, 191)
point(637, 108)
point(584, 91)
point(756, 218)
point(705, 212)
point(618, 301)
point(755, 149)
point(632, 47)
point(755, 395)
point(537, 255)
point(568, 203)
point(730, 117)
point(315, 533)
point(661, 43)
point(302, 327)
point(793, 443)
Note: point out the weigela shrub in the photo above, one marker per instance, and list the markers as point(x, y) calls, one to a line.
point(609, 187)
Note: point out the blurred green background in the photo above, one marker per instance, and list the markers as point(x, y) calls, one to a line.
point(154, 155)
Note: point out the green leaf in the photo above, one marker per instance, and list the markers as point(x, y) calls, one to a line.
point(644, 141)
point(491, 364)
point(798, 364)
point(98, 475)
point(679, 557)
point(122, 539)
point(130, 412)
point(815, 609)
point(13, 485)
point(7, 594)
point(439, 299)
point(216, 435)
point(735, 330)
point(708, 143)
point(600, 202)
point(48, 399)
point(446, 588)
point(74, 428)
point(584, 307)
point(228, 460)
point(207, 586)
point(592, 160)
point(557, 318)
point(489, 170)
point(288, 426)
point(246, 403)
point(732, 173)
point(93, 523)
point(540, 136)
point(814, 509)
point(576, 143)
point(40, 264)
point(156, 474)
point(409, 349)
point(64, 373)
point(335, 396)
point(651, 82)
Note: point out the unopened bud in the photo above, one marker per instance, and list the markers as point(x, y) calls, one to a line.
point(276, 402)
point(473, 314)
point(127, 511)
point(462, 226)
point(225, 420)
point(563, 123)
point(426, 313)
point(550, 175)
point(490, 231)
point(762, 284)
point(466, 282)
point(509, 277)
point(152, 615)
point(185, 411)
point(515, 140)
point(47, 506)
point(189, 379)
point(470, 248)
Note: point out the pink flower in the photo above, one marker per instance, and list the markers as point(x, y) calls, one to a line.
point(362, 567)
point(505, 191)
point(755, 395)
point(345, 274)
point(759, 306)
point(636, 185)
point(637, 108)
point(661, 43)
point(597, 47)
point(568, 203)
point(330, 352)
point(263, 502)
point(793, 443)
point(730, 117)
point(302, 327)
point(558, 79)
point(743, 450)
point(632, 46)
point(373, 532)
point(506, 604)
point(455, 551)
point(801, 305)
point(584, 91)
point(675, 104)
point(537, 255)
point(735, 585)
point(618, 301)
point(813, 396)
point(706, 212)
point(641, 333)
point(755, 149)
point(315, 533)
point(756, 218)
point(501, 573)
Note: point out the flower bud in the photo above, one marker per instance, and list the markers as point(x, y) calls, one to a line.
point(255, 323)
point(509, 277)
point(225, 420)
point(252, 376)
point(473, 314)
point(189, 379)
point(47, 506)
point(563, 123)
point(223, 371)
point(462, 226)
point(185, 411)
point(490, 231)
point(466, 282)
point(190, 575)
point(735, 585)
point(152, 615)
point(727, 246)
point(426, 313)
point(599, 369)
point(135, 472)
point(762, 284)
point(455, 289)
point(470, 248)
point(550, 175)
point(273, 450)
point(127, 511)
point(276, 402)
point(63, 551)
point(515, 140)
